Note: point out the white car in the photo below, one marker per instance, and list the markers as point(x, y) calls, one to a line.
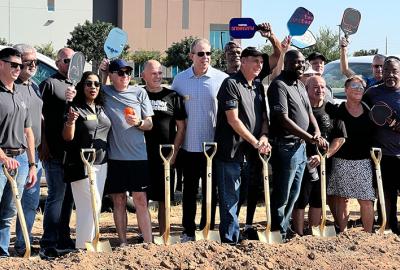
point(361, 65)
point(46, 67)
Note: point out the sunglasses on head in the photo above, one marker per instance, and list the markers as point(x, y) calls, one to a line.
point(90, 83)
point(30, 63)
point(201, 54)
point(13, 64)
point(122, 73)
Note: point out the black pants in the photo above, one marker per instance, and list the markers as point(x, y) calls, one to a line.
point(194, 168)
point(64, 231)
point(391, 186)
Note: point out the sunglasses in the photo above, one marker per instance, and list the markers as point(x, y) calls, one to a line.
point(13, 64)
point(122, 73)
point(201, 54)
point(90, 83)
point(356, 86)
point(66, 60)
point(377, 66)
point(30, 63)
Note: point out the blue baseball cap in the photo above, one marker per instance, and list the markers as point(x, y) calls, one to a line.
point(118, 64)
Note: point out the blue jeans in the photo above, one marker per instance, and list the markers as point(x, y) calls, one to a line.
point(7, 205)
point(288, 161)
point(228, 181)
point(52, 209)
point(30, 203)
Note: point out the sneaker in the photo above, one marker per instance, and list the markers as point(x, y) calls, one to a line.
point(139, 239)
point(20, 251)
point(48, 253)
point(186, 238)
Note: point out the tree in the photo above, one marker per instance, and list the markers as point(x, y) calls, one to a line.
point(267, 48)
point(47, 49)
point(327, 44)
point(140, 57)
point(177, 53)
point(89, 39)
point(365, 52)
point(3, 41)
point(218, 59)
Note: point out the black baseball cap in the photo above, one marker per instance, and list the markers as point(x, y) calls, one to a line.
point(316, 55)
point(250, 51)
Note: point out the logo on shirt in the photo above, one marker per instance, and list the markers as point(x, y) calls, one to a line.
point(23, 105)
point(159, 105)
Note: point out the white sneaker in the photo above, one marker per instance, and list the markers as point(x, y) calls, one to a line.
point(186, 238)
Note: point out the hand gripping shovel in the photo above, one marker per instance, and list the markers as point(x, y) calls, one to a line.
point(11, 178)
point(266, 235)
point(206, 233)
point(376, 154)
point(96, 245)
point(166, 238)
point(322, 230)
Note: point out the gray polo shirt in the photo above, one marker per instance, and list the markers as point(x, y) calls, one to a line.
point(14, 117)
point(126, 142)
point(35, 104)
point(288, 96)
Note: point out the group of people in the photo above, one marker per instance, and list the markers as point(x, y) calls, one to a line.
point(126, 124)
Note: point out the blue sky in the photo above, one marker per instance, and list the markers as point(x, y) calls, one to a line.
point(379, 20)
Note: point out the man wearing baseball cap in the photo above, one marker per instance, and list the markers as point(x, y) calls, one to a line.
point(241, 131)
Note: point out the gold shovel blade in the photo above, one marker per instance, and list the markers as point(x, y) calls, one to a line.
point(326, 231)
point(270, 237)
point(212, 235)
point(172, 239)
point(100, 246)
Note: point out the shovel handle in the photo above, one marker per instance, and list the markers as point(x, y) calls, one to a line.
point(264, 159)
point(91, 156)
point(322, 156)
point(214, 147)
point(11, 175)
point(322, 153)
point(376, 155)
point(167, 199)
point(168, 157)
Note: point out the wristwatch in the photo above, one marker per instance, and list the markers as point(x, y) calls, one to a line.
point(139, 124)
point(32, 164)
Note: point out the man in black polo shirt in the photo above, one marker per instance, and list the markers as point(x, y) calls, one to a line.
point(15, 137)
point(58, 207)
point(242, 128)
point(291, 115)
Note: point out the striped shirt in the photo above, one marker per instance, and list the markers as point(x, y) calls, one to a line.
point(200, 98)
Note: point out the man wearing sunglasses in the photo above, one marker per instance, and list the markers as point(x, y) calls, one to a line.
point(198, 85)
point(16, 141)
point(376, 66)
point(387, 135)
point(55, 91)
point(130, 112)
point(30, 197)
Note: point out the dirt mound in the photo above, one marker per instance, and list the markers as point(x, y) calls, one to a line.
point(351, 250)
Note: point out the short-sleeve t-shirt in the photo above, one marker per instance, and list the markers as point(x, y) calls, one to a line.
point(167, 107)
point(126, 142)
point(287, 96)
point(236, 93)
point(385, 137)
point(359, 132)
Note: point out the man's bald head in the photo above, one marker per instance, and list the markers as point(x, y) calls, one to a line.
point(294, 62)
point(152, 74)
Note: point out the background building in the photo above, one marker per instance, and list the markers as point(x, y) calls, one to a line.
point(156, 24)
point(39, 22)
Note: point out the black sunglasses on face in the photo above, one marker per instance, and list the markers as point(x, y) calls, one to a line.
point(30, 63)
point(13, 64)
point(201, 54)
point(66, 60)
point(377, 66)
point(122, 73)
point(90, 83)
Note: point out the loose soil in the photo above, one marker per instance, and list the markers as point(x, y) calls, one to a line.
point(353, 249)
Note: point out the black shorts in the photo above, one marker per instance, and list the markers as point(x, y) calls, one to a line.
point(157, 183)
point(127, 175)
point(310, 192)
